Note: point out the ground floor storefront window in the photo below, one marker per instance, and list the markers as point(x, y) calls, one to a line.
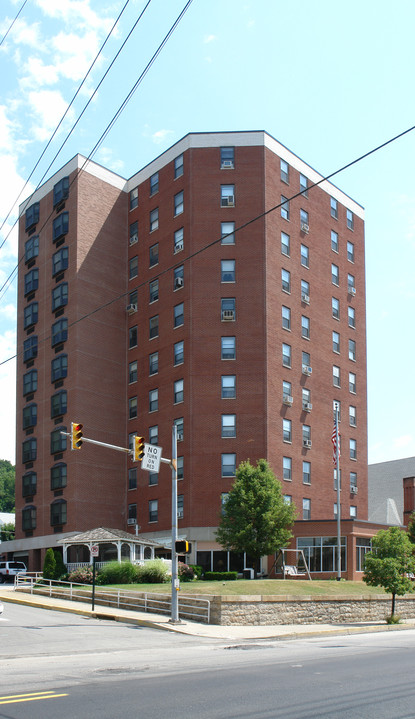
point(363, 546)
point(212, 560)
point(321, 553)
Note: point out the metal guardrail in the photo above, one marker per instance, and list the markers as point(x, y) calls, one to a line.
point(193, 608)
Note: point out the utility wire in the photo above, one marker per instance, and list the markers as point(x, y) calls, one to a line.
point(238, 229)
point(7, 31)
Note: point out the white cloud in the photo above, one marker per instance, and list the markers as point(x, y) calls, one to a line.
point(9, 312)
point(209, 38)
point(105, 156)
point(75, 11)
point(37, 73)
point(8, 396)
point(160, 135)
point(22, 33)
point(48, 107)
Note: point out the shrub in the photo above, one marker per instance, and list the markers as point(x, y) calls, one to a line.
point(60, 568)
point(83, 575)
point(220, 576)
point(155, 571)
point(49, 565)
point(185, 573)
point(118, 573)
point(198, 570)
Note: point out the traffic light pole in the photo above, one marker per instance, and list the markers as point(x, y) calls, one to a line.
point(174, 574)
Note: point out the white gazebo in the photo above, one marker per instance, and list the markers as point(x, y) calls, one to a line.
point(114, 545)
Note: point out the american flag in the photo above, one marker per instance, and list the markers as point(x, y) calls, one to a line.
point(334, 442)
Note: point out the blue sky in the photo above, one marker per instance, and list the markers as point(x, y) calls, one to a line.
point(330, 80)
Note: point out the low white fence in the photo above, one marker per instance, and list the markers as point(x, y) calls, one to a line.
point(193, 608)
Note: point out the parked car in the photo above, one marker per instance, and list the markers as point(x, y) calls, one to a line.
point(8, 570)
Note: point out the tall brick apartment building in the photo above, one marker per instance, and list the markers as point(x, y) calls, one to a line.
point(180, 296)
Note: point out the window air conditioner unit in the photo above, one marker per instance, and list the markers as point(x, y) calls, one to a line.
point(179, 514)
point(132, 521)
point(287, 399)
point(131, 309)
point(306, 369)
point(179, 282)
point(229, 201)
point(228, 315)
point(227, 163)
point(353, 490)
point(305, 298)
point(133, 239)
point(307, 443)
point(178, 246)
point(307, 406)
point(304, 227)
point(352, 290)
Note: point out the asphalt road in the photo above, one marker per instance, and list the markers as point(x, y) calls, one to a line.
point(83, 668)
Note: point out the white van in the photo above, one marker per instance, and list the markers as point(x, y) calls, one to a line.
point(8, 570)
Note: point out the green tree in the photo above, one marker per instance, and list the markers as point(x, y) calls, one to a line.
point(390, 562)
point(7, 531)
point(49, 565)
point(7, 484)
point(411, 528)
point(255, 518)
point(60, 567)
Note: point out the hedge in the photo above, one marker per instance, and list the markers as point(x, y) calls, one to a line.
point(220, 576)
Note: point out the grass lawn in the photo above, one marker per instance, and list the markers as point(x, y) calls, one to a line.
point(296, 587)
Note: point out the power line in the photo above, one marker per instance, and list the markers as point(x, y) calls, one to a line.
point(238, 229)
point(7, 31)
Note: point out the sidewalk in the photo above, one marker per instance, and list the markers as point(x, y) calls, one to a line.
point(213, 631)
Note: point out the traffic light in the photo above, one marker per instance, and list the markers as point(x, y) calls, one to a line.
point(183, 547)
point(76, 435)
point(138, 448)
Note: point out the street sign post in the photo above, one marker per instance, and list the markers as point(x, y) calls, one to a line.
point(152, 458)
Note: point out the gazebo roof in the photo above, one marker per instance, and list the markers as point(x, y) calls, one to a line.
point(103, 534)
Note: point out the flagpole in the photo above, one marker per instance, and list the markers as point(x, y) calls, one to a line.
point(339, 566)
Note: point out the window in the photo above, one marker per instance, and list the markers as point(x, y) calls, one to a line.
point(337, 407)
point(178, 203)
point(352, 382)
point(306, 472)
point(132, 513)
point(287, 499)
point(178, 240)
point(305, 292)
point(227, 309)
point(61, 191)
point(153, 400)
point(286, 317)
point(227, 232)
point(351, 317)
point(335, 274)
point(60, 226)
point(223, 499)
point(154, 219)
point(30, 349)
point(154, 326)
point(227, 270)
point(153, 478)
point(29, 416)
point(304, 223)
point(335, 308)
point(284, 170)
point(153, 363)
point(336, 342)
point(132, 478)
point(153, 434)
point(31, 248)
point(228, 462)
point(305, 361)
point(333, 208)
point(133, 267)
point(303, 185)
point(287, 468)
point(228, 386)
point(132, 337)
point(153, 510)
point(305, 327)
point(227, 158)
point(285, 208)
point(229, 425)
point(334, 241)
point(305, 259)
point(306, 508)
point(59, 331)
point(132, 407)
point(154, 183)
point(131, 440)
point(180, 467)
point(133, 297)
point(353, 511)
point(154, 290)
point(132, 372)
point(57, 440)
point(28, 518)
point(285, 280)
point(353, 448)
point(228, 348)
point(336, 376)
point(59, 296)
point(32, 215)
point(227, 195)
point(178, 277)
point(178, 315)
point(134, 198)
point(352, 416)
point(285, 244)
point(352, 350)
point(29, 382)
point(178, 167)
point(180, 506)
point(306, 399)
point(31, 282)
point(178, 391)
point(59, 368)
point(286, 391)
point(133, 233)
point(350, 251)
point(286, 355)
point(58, 404)
point(29, 484)
point(179, 427)
point(58, 512)
point(350, 219)
point(353, 481)
point(154, 255)
point(306, 434)
point(179, 352)
point(60, 261)
point(286, 430)
point(30, 315)
point(350, 284)
point(29, 450)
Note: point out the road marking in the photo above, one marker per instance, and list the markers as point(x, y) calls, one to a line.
point(34, 696)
